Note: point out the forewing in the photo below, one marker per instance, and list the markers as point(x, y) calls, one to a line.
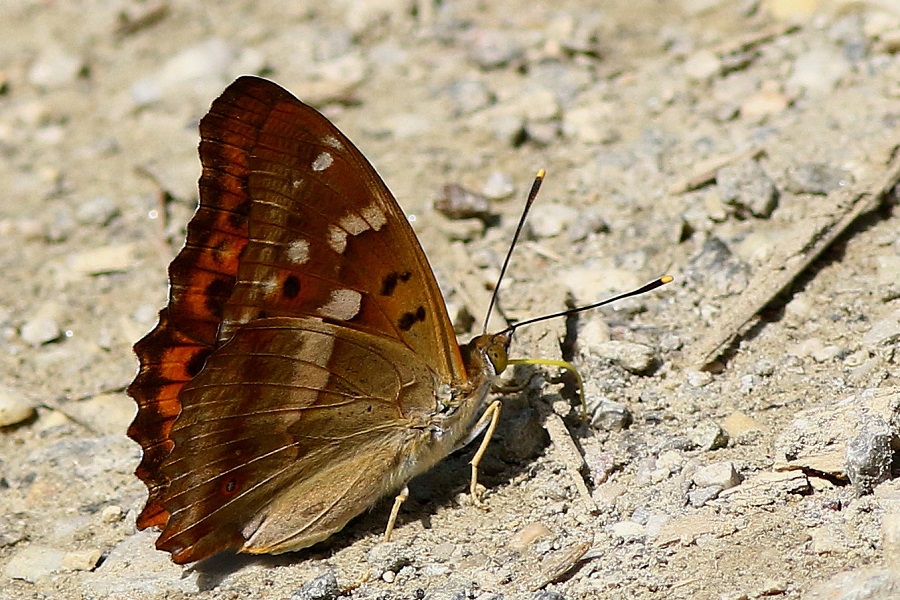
point(293, 221)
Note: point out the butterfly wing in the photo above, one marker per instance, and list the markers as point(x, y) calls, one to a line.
point(293, 427)
point(292, 222)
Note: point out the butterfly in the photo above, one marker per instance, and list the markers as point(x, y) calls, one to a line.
point(305, 365)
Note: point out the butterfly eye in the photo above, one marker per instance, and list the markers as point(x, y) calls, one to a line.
point(497, 355)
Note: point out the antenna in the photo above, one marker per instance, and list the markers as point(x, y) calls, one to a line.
point(658, 282)
point(535, 187)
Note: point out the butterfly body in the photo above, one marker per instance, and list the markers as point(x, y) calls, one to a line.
point(305, 365)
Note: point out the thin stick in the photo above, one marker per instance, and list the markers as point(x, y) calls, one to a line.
point(812, 238)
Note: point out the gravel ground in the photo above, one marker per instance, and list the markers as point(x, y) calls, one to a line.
point(708, 139)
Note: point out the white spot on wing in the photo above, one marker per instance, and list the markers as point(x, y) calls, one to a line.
point(374, 215)
point(330, 140)
point(268, 285)
point(337, 239)
point(298, 251)
point(322, 162)
point(343, 305)
point(353, 224)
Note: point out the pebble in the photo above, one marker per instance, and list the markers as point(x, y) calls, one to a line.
point(707, 435)
point(55, 68)
point(818, 71)
point(529, 534)
point(463, 230)
point(815, 178)
point(457, 202)
point(33, 563)
point(469, 95)
point(741, 427)
point(633, 357)
point(40, 330)
point(498, 186)
point(701, 496)
point(81, 560)
point(589, 222)
point(550, 220)
point(628, 530)
point(702, 65)
point(389, 556)
point(600, 466)
point(764, 367)
point(104, 413)
point(699, 379)
point(542, 133)
point(61, 225)
point(769, 100)
point(491, 49)
point(869, 454)
point(14, 408)
point(592, 124)
point(322, 587)
point(721, 474)
point(747, 188)
point(845, 438)
point(97, 211)
point(883, 332)
point(540, 595)
point(611, 416)
point(111, 514)
point(592, 333)
point(102, 260)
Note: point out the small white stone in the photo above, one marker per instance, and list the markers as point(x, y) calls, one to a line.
point(702, 65)
point(498, 186)
point(81, 560)
point(111, 514)
point(54, 68)
point(33, 563)
point(722, 475)
point(698, 379)
point(628, 530)
point(40, 330)
point(14, 408)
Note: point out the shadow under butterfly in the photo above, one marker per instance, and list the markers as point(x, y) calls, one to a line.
point(305, 365)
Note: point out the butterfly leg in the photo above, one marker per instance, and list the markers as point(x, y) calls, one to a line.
point(492, 412)
point(395, 510)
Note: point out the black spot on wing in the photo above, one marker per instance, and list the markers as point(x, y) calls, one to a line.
point(217, 293)
point(408, 319)
point(238, 217)
point(390, 281)
point(291, 287)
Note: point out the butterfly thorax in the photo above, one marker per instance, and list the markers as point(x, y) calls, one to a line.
point(484, 358)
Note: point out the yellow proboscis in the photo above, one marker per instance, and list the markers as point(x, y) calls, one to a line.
point(563, 365)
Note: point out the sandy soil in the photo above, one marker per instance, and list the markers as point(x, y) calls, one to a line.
point(733, 482)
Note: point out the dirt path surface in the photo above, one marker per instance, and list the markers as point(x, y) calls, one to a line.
point(721, 142)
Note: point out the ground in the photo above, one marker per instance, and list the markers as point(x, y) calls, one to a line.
point(720, 142)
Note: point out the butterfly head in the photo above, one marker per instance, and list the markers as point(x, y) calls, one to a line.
point(487, 353)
